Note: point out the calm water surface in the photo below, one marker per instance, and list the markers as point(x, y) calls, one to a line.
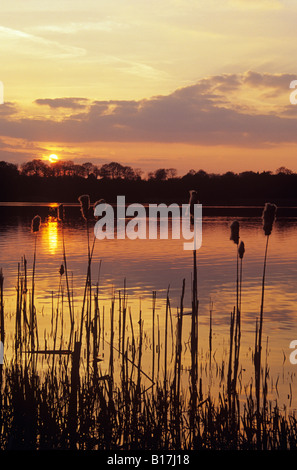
point(156, 265)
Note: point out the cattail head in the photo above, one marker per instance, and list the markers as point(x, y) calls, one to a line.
point(235, 232)
point(193, 197)
point(192, 201)
point(61, 270)
point(241, 250)
point(61, 212)
point(36, 221)
point(97, 203)
point(101, 201)
point(84, 205)
point(268, 217)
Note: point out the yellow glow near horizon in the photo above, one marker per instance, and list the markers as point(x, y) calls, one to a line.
point(53, 158)
point(233, 73)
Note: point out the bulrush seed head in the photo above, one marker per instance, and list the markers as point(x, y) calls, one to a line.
point(36, 222)
point(241, 250)
point(97, 203)
point(235, 232)
point(192, 201)
point(61, 212)
point(268, 217)
point(84, 205)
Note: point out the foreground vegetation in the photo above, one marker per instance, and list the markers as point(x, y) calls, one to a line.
point(89, 384)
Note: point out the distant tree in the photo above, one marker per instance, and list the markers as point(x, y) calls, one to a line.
point(111, 170)
point(282, 170)
point(96, 171)
point(8, 169)
point(158, 175)
point(62, 168)
point(171, 173)
point(89, 168)
point(115, 170)
point(138, 173)
point(35, 167)
point(105, 171)
point(78, 170)
point(71, 181)
point(128, 173)
point(68, 168)
point(229, 174)
point(247, 174)
point(202, 174)
point(189, 176)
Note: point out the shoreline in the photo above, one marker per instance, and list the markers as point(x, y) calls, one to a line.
point(207, 210)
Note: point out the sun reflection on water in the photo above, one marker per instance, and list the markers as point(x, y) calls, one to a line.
point(51, 234)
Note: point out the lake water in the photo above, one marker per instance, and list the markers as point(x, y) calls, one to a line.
point(156, 265)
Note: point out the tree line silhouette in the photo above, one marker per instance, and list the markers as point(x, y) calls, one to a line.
point(65, 181)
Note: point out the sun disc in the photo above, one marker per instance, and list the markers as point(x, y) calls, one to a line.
point(53, 158)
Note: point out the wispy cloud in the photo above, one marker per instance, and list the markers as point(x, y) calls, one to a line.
point(73, 27)
point(36, 45)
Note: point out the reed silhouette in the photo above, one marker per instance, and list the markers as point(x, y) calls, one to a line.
point(67, 399)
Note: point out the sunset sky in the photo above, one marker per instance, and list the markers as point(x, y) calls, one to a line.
point(200, 84)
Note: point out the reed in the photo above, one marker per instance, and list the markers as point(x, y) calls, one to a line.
point(64, 268)
point(210, 332)
point(85, 208)
point(178, 370)
point(21, 307)
point(241, 251)
point(35, 226)
point(166, 340)
point(268, 218)
point(153, 334)
point(194, 351)
point(71, 410)
point(2, 326)
point(235, 320)
point(112, 402)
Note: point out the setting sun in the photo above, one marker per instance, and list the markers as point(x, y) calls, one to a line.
point(53, 158)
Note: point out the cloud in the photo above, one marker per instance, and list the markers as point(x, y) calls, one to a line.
point(30, 44)
point(69, 103)
point(74, 27)
point(204, 114)
point(279, 81)
point(8, 109)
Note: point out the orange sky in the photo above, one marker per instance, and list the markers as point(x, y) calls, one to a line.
point(178, 83)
